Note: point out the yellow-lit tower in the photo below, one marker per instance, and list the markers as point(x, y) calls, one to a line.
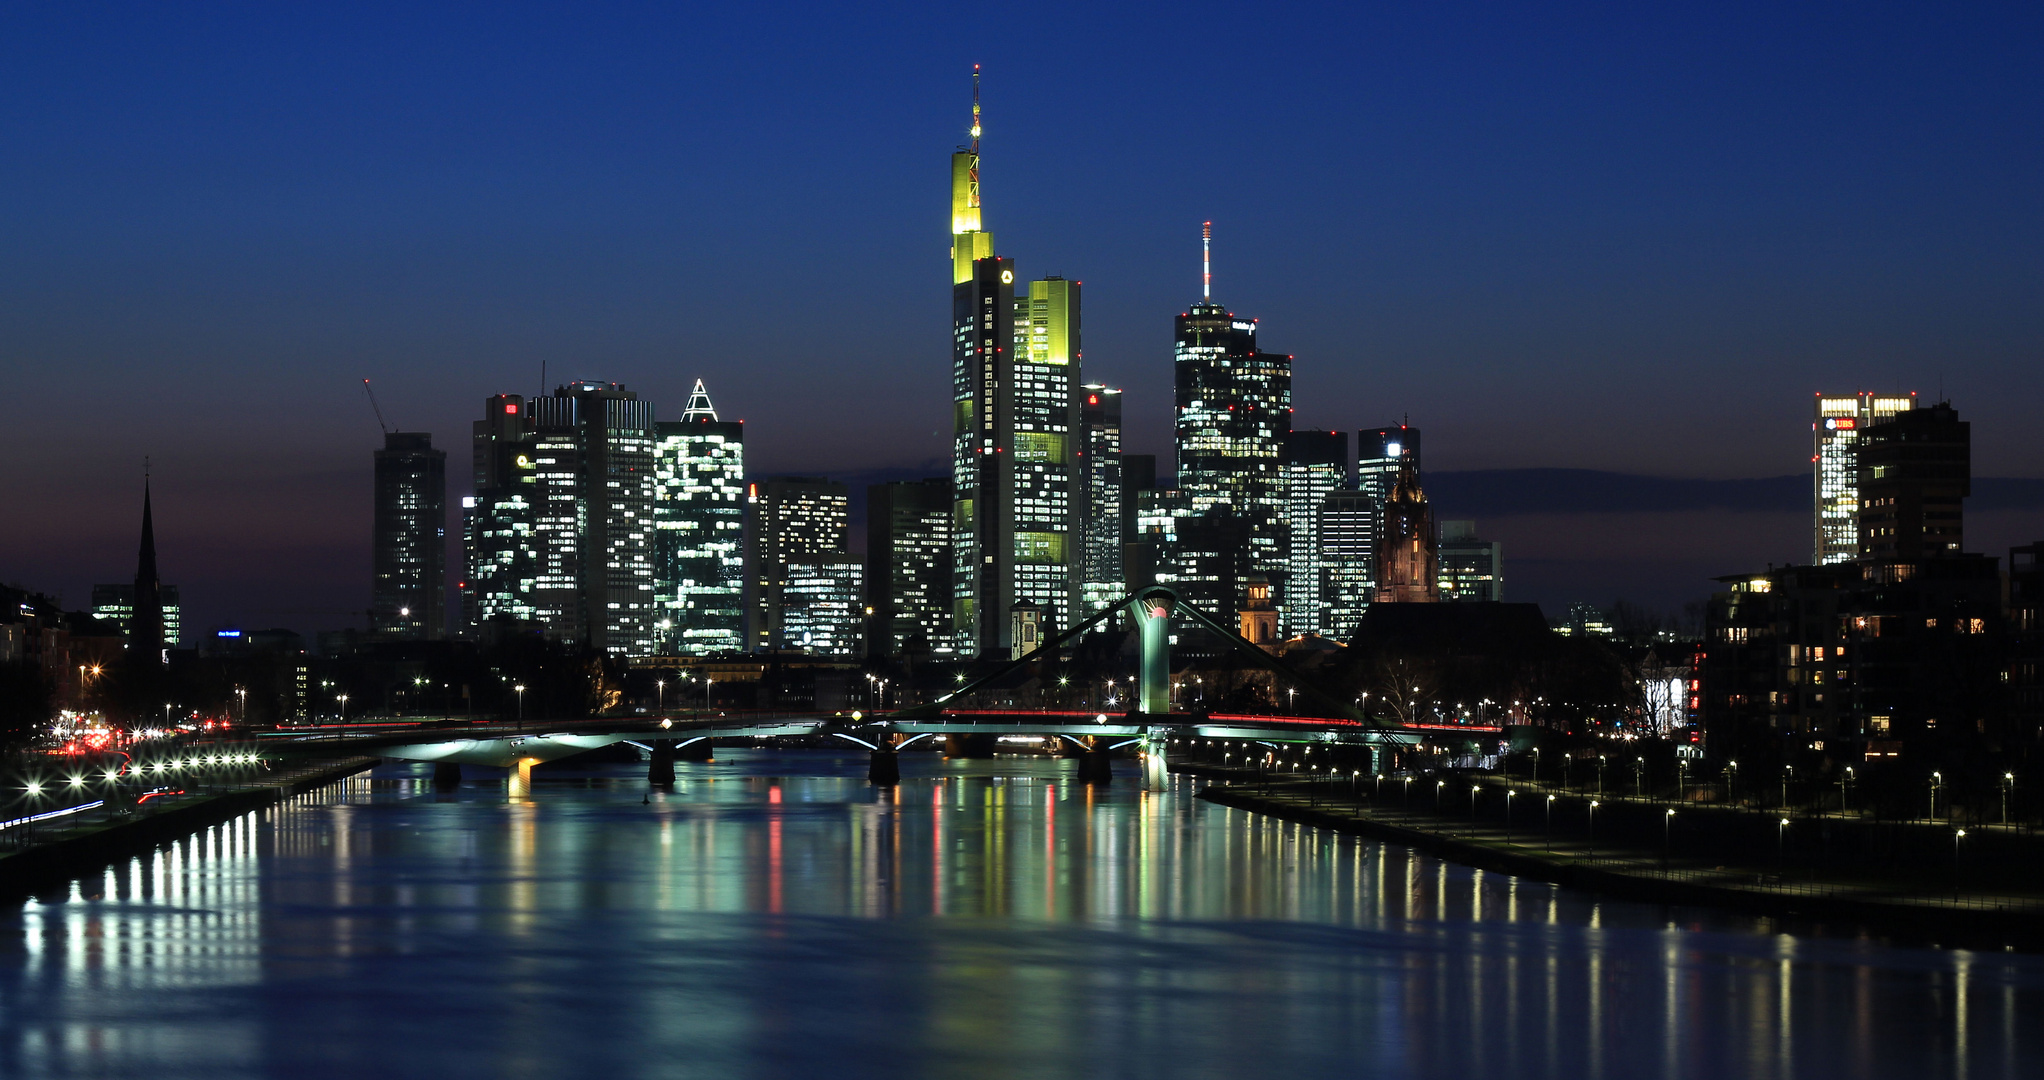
point(1015, 386)
point(969, 242)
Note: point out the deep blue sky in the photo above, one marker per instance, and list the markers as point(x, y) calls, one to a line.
point(1596, 236)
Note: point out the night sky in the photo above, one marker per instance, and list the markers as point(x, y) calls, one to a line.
point(1555, 236)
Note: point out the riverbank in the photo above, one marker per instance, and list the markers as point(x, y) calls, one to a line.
point(88, 847)
point(1981, 920)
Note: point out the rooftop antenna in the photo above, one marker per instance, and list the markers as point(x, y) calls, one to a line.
point(1206, 260)
point(373, 405)
point(975, 110)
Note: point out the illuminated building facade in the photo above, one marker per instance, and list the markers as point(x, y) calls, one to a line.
point(908, 557)
point(822, 605)
point(1234, 409)
point(408, 539)
point(115, 604)
point(1101, 513)
point(1316, 464)
point(1915, 470)
point(1407, 567)
point(791, 519)
point(562, 527)
point(1346, 527)
point(1836, 427)
point(1016, 490)
point(1471, 569)
point(699, 531)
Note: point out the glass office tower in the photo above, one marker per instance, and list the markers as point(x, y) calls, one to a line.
point(1836, 427)
point(792, 518)
point(908, 557)
point(1101, 517)
point(699, 531)
point(1015, 472)
point(1234, 405)
point(1316, 464)
point(1348, 523)
point(408, 538)
point(562, 529)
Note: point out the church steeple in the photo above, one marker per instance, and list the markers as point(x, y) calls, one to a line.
point(145, 622)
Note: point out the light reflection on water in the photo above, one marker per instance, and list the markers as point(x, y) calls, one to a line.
point(776, 916)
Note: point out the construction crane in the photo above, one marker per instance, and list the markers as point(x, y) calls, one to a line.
point(373, 405)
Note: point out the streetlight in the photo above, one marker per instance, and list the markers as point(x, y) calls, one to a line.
point(1787, 771)
point(1438, 786)
point(659, 695)
point(1667, 834)
point(2008, 780)
point(1781, 844)
point(1550, 823)
point(519, 689)
point(1508, 814)
point(1937, 779)
point(343, 698)
point(242, 693)
point(1536, 764)
point(1593, 828)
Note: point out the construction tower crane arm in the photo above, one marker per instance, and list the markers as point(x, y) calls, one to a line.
point(373, 405)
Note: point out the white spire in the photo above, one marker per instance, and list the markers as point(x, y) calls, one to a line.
point(1206, 261)
point(699, 405)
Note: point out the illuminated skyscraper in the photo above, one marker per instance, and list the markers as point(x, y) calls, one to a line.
point(699, 520)
point(1836, 428)
point(1100, 515)
point(1316, 463)
point(408, 538)
point(562, 524)
point(1234, 405)
point(790, 519)
point(822, 605)
point(1347, 529)
point(1380, 454)
point(1015, 367)
point(908, 558)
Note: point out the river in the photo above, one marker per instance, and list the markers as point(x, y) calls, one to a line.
point(776, 916)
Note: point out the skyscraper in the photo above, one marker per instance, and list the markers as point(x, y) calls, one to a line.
point(1316, 463)
point(699, 531)
point(908, 567)
point(790, 519)
point(1407, 568)
point(1915, 471)
point(563, 523)
point(1837, 425)
point(1234, 405)
point(1015, 367)
point(821, 602)
point(1471, 569)
point(1380, 454)
point(1347, 530)
point(408, 539)
point(1100, 516)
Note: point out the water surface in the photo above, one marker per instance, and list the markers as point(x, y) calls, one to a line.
point(775, 916)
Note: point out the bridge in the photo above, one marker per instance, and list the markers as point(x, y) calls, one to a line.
point(1150, 725)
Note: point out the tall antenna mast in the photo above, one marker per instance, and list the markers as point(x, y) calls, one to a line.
point(973, 180)
point(1206, 259)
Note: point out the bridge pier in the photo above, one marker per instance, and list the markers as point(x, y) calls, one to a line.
point(694, 750)
point(446, 776)
point(660, 770)
point(884, 769)
point(520, 786)
point(1096, 766)
point(1156, 768)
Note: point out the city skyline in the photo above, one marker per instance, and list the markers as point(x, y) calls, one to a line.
point(1717, 406)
